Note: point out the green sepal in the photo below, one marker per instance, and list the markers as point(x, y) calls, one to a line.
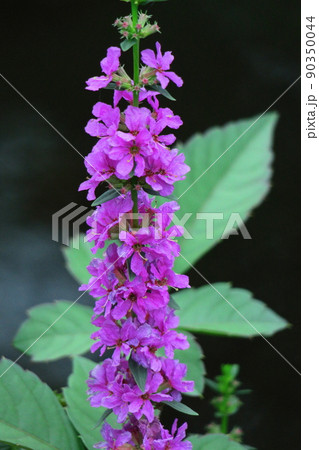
point(106, 196)
point(181, 407)
point(127, 44)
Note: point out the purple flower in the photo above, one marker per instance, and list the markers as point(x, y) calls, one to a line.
point(107, 121)
point(161, 64)
point(173, 440)
point(115, 439)
point(164, 114)
point(140, 403)
point(137, 245)
point(136, 298)
point(174, 372)
point(132, 147)
point(121, 338)
point(107, 219)
point(109, 65)
point(101, 167)
point(163, 173)
point(164, 276)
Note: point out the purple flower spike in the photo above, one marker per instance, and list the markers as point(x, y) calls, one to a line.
point(161, 64)
point(134, 318)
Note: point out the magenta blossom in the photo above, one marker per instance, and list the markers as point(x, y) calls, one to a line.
point(132, 147)
point(106, 219)
point(107, 120)
point(161, 64)
point(140, 403)
point(115, 439)
point(109, 65)
point(101, 168)
point(173, 440)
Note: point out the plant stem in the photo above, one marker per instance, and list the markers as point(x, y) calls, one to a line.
point(136, 52)
point(224, 424)
point(136, 69)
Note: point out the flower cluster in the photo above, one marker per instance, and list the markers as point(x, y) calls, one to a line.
point(142, 29)
point(133, 313)
point(133, 143)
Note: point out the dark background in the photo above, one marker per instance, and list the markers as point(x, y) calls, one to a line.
point(236, 58)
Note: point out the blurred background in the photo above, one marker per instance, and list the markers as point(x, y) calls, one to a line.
point(236, 58)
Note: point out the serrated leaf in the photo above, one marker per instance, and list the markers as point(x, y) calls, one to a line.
point(127, 44)
point(106, 196)
point(30, 414)
point(81, 413)
point(139, 373)
point(212, 314)
point(68, 332)
point(213, 441)
point(77, 260)
point(230, 173)
point(164, 92)
point(181, 408)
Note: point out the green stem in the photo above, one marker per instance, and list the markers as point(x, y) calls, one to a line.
point(136, 70)
point(136, 52)
point(224, 424)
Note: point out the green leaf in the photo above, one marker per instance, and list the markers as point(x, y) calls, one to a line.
point(30, 414)
point(139, 373)
point(77, 260)
point(127, 44)
point(106, 196)
point(236, 180)
point(205, 310)
point(172, 303)
point(213, 441)
point(81, 413)
point(68, 336)
point(164, 92)
point(192, 357)
point(181, 408)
